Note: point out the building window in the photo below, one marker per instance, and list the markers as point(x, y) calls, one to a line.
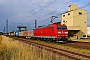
point(63, 15)
point(84, 35)
point(88, 36)
point(80, 13)
point(68, 13)
point(64, 21)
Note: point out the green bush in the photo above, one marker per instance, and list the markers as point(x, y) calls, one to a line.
point(1, 33)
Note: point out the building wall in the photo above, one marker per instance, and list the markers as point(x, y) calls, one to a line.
point(67, 19)
point(80, 19)
point(76, 19)
point(72, 7)
point(88, 31)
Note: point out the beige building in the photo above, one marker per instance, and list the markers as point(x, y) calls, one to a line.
point(76, 21)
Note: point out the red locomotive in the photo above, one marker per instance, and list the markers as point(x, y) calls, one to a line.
point(56, 31)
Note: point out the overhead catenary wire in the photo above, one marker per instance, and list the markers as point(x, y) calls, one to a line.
point(81, 7)
point(67, 18)
point(33, 9)
point(85, 5)
point(67, 2)
point(73, 16)
point(41, 9)
point(44, 8)
point(55, 9)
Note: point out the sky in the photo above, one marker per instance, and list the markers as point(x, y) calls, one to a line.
point(25, 12)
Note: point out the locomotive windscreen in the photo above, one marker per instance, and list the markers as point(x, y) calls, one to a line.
point(61, 27)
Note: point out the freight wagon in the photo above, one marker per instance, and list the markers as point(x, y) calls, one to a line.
point(26, 34)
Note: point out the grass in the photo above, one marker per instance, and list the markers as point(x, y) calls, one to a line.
point(2, 50)
point(15, 50)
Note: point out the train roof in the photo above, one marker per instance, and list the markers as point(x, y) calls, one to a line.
point(57, 23)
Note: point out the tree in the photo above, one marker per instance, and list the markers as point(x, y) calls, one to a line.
point(1, 33)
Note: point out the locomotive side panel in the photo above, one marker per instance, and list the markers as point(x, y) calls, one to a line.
point(46, 32)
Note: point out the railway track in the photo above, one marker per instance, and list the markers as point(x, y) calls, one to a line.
point(80, 45)
point(66, 53)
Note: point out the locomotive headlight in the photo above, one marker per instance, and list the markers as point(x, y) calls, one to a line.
point(59, 32)
point(66, 32)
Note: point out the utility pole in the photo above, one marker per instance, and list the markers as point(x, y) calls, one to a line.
point(4, 31)
point(7, 26)
point(35, 23)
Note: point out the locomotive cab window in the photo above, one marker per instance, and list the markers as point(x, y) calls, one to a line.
point(64, 27)
point(52, 28)
point(61, 27)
